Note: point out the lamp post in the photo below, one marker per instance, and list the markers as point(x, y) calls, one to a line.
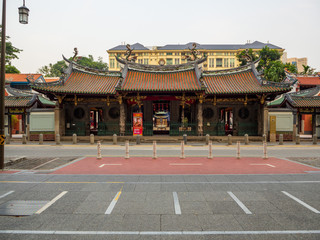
point(23, 18)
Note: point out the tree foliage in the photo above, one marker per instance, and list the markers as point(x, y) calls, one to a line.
point(270, 65)
point(57, 69)
point(307, 70)
point(11, 53)
point(243, 60)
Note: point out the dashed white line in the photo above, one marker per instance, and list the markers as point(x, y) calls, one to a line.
point(266, 164)
point(6, 194)
point(51, 202)
point(177, 208)
point(301, 202)
point(244, 208)
point(185, 164)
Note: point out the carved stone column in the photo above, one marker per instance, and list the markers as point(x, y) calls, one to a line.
point(122, 120)
point(265, 121)
point(57, 129)
point(200, 120)
point(182, 116)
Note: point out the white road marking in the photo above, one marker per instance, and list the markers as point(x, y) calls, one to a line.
point(263, 164)
point(301, 202)
point(185, 164)
point(113, 203)
point(177, 208)
point(166, 233)
point(6, 194)
point(39, 166)
point(244, 208)
point(110, 164)
point(51, 202)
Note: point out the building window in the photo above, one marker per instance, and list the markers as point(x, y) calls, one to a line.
point(211, 62)
point(231, 62)
point(169, 61)
point(219, 62)
point(140, 61)
point(146, 61)
point(145, 54)
point(118, 65)
point(139, 54)
point(219, 53)
point(169, 53)
point(177, 61)
point(226, 62)
point(177, 54)
point(111, 63)
point(161, 54)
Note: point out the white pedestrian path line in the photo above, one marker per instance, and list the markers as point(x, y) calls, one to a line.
point(6, 194)
point(270, 165)
point(244, 208)
point(301, 202)
point(166, 233)
point(113, 203)
point(51, 202)
point(185, 164)
point(177, 208)
point(110, 164)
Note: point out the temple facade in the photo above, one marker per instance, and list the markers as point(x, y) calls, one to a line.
point(170, 99)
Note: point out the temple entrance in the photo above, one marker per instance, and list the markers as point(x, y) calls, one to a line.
point(226, 120)
point(161, 117)
point(96, 117)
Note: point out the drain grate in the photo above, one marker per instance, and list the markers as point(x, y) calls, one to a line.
point(20, 207)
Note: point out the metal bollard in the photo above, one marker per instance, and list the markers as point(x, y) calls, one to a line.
point(114, 139)
point(265, 156)
point(138, 140)
point(246, 139)
point(298, 139)
point(182, 150)
point(154, 150)
point(24, 139)
point(264, 138)
point(127, 150)
point(315, 139)
point(185, 139)
point(91, 139)
point(207, 139)
point(229, 139)
point(238, 149)
point(74, 138)
point(7, 139)
point(40, 138)
point(58, 139)
point(281, 139)
point(210, 150)
point(99, 150)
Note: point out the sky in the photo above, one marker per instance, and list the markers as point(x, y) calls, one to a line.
point(56, 27)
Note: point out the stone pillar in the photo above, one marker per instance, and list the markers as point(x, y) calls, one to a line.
point(265, 121)
point(57, 129)
point(122, 122)
point(182, 115)
point(200, 120)
point(314, 126)
point(294, 129)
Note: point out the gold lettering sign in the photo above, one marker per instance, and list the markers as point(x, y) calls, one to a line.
point(273, 124)
point(16, 110)
point(306, 110)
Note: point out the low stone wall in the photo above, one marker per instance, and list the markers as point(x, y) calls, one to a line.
point(46, 137)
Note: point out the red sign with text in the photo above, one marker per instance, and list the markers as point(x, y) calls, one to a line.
point(137, 124)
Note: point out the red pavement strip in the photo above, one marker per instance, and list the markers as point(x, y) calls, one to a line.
point(175, 165)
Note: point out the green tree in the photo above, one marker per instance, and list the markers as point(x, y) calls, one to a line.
point(55, 70)
point(11, 53)
point(270, 65)
point(242, 56)
point(291, 68)
point(307, 70)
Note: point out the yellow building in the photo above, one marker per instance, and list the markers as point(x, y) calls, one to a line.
point(298, 62)
point(219, 56)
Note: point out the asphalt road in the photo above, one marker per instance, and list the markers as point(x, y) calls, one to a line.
point(164, 207)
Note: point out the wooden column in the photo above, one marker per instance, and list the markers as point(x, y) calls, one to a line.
point(57, 129)
point(200, 120)
point(122, 120)
point(314, 127)
point(265, 121)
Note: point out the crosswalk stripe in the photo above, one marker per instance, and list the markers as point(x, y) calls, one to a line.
point(244, 208)
point(301, 202)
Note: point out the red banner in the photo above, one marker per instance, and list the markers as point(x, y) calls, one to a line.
point(137, 124)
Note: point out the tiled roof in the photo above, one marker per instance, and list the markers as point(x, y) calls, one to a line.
point(238, 82)
point(305, 102)
point(12, 101)
point(136, 46)
point(309, 80)
point(161, 81)
point(82, 83)
point(21, 77)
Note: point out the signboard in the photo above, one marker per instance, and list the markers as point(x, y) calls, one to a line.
point(137, 124)
point(16, 110)
point(306, 110)
point(273, 124)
